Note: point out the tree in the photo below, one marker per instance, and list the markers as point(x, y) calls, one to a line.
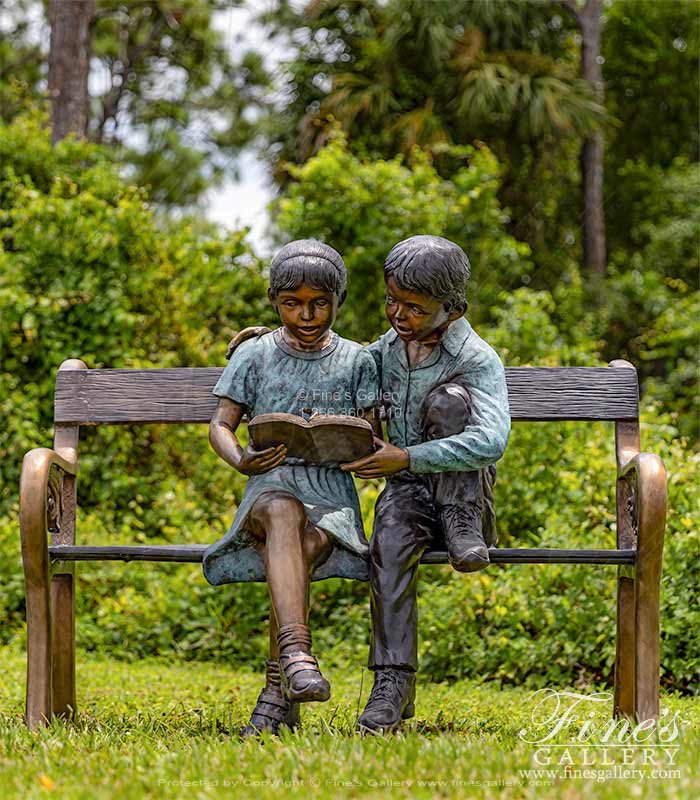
point(21, 60)
point(588, 18)
point(69, 66)
point(167, 94)
point(175, 102)
point(405, 73)
point(652, 86)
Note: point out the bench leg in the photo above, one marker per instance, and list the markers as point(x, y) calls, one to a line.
point(63, 646)
point(35, 557)
point(647, 585)
point(637, 662)
point(63, 583)
point(38, 705)
point(624, 656)
point(646, 640)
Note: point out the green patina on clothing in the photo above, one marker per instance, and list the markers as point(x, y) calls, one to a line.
point(461, 356)
point(266, 375)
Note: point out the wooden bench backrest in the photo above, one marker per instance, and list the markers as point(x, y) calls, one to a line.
point(114, 396)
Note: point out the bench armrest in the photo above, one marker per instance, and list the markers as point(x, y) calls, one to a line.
point(43, 457)
point(646, 476)
point(643, 481)
point(42, 486)
point(40, 506)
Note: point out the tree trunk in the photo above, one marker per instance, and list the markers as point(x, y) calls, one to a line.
point(592, 149)
point(69, 66)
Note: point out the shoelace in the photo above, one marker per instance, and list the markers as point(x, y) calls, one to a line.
point(386, 686)
point(462, 523)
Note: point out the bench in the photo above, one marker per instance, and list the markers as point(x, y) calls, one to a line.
point(112, 396)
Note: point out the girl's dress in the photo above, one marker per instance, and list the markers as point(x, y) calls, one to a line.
point(266, 375)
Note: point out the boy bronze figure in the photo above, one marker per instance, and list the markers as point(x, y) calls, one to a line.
point(450, 424)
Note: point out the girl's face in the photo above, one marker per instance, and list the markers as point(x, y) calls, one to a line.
point(307, 313)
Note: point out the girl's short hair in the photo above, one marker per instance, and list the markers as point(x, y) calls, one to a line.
point(430, 265)
point(307, 261)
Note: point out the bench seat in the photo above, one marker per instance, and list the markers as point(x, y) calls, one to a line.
point(192, 553)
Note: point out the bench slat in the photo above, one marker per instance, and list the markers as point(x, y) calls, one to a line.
point(112, 396)
point(193, 553)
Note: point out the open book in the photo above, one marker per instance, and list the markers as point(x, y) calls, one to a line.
point(320, 440)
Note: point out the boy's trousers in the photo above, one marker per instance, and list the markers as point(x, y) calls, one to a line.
point(407, 522)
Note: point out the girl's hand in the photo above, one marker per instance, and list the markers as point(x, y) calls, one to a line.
point(255, 462)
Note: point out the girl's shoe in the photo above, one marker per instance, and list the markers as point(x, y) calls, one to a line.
point(272, 711)
point(300, 676)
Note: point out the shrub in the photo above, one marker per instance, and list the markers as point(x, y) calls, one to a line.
point(89, 270)
point(363, 207)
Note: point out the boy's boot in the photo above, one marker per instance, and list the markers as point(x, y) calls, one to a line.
point(466, 547)
point(300, 676)
point(272, 711)
point(391, 700)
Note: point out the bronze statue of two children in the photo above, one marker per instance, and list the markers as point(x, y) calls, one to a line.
point(447, 422)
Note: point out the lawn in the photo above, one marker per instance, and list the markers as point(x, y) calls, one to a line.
point(154, 729)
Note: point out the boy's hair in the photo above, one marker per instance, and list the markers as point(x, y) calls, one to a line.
point(430, 265)
point(307, 261)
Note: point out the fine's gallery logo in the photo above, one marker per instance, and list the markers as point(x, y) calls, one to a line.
point(573, 737)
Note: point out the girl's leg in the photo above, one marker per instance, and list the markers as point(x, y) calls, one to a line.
point(272, 709)
point(292, 547)
point(274, 627)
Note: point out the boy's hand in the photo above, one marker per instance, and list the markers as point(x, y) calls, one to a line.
point(254, 462)
point(386, 460)
point(242, 336)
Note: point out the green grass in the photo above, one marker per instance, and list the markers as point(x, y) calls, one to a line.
point(152, 729)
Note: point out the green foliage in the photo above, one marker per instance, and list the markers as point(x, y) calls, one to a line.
point(657, 207)
point(170, 98)
point(363, 207)
point(669, 351)
point(172, 78)
point(651, 300)
point(527, 332)
point(651, 53)
point(21, 63)
point(404, 73)
point(408, 73)
point(87, 270)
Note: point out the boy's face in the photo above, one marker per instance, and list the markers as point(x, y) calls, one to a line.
point(307, 312)
point(416, 316)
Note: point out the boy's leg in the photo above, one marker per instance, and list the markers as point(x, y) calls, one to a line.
point(488, 519)
point(403, 528)
point(464, 500)
point(404, 525)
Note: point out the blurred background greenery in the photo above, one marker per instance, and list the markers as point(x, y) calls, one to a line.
point(384, 119)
